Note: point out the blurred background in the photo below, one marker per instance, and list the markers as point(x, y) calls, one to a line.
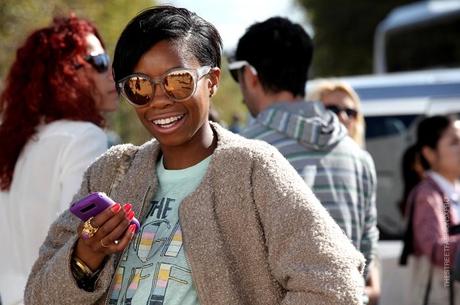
point(343, 30)
point(401, 56)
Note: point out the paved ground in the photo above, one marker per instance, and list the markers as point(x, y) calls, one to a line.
point(395, 279)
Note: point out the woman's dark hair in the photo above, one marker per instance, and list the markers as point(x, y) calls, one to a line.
point(409, 173)
point(280, 51)
point(429, 131)
point(42, 86)
point(191, 32)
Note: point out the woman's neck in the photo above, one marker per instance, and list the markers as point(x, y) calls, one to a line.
point(201, 145)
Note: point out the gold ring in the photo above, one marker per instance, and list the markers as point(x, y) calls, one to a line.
point(103, 245)
point(88, 229)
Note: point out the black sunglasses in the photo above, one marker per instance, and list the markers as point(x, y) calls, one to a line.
point(352, 113)
point(99, 62)
point(235, 66)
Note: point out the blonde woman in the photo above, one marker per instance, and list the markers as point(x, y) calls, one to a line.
point(340, 98)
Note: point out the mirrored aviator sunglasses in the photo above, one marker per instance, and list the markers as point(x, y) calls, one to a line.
point(178, 85)
point(99, 62)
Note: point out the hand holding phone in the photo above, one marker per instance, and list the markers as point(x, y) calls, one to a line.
point(92, 205)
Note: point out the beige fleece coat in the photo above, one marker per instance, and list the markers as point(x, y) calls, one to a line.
point(252, 230)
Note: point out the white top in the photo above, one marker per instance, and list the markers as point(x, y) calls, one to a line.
point(47, 174)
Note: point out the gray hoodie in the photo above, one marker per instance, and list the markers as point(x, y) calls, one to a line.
point(340, 173)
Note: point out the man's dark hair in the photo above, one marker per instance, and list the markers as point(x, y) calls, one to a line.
point(190, 32)
point(280, 51)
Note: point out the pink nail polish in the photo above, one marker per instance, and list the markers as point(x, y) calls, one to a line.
point(116, 208)
point(132, 228)
point(131, 215)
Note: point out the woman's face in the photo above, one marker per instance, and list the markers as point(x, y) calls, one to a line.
point(344, 104)
point(445, 159)
point(173, 123)
point(104, 90)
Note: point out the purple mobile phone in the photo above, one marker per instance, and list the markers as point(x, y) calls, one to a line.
point(92, 205)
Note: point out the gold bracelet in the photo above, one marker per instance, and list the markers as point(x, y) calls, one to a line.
point(83, 267)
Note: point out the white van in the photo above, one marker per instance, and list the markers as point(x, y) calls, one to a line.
point(392, 105)
point(394, 102)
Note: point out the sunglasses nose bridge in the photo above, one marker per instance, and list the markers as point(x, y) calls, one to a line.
point(157, 83)
point(159, 97)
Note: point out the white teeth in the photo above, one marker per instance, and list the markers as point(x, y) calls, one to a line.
point(167, 121)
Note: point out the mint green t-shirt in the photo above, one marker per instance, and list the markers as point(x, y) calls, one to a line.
point(155, 270)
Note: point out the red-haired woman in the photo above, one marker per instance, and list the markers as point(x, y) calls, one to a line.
point(50, 131)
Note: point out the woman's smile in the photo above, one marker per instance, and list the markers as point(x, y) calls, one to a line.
point(168, 123)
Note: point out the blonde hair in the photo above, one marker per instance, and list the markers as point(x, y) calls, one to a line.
point(326, 86)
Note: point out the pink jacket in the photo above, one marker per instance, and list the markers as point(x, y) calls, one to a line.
point(429, 223)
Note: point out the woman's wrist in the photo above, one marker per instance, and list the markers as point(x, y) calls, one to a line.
point(82, 267)
point(91, 259)
point(84, 274)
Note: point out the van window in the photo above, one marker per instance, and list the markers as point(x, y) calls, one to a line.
point(381, 126)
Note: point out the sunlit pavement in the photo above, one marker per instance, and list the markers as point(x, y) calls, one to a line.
point(394, 278)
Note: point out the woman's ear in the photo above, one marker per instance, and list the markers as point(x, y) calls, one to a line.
point(214, 79)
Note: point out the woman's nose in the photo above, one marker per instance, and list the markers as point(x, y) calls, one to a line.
point(160, 99)
point(109, 74)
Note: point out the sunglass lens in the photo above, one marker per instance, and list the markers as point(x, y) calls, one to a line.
point(351, 112)
point(334, 109)
point(138, 90)
point(101, 63)
point(179, 85)
point(234, 74)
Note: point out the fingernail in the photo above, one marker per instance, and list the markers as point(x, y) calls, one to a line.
point(116, 208)
point(132, 228)
point(131, 215)
point(127, 207)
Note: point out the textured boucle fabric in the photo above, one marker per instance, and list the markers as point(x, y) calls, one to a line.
point(253, 232)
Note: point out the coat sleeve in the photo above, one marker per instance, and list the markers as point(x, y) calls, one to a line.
point(309, 255)
point(51, 281)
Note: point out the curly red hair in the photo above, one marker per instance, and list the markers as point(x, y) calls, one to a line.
point(42, 86)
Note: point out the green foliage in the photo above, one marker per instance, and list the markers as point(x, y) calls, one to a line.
point(229, 100)
point(19, 17)
point(344, 33)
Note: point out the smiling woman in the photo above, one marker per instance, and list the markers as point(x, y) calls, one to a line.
point(212, 229)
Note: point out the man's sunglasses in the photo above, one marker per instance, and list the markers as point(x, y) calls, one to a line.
point(235, 66)
point(352, 113)
point(178, 84)
point(100, 62)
